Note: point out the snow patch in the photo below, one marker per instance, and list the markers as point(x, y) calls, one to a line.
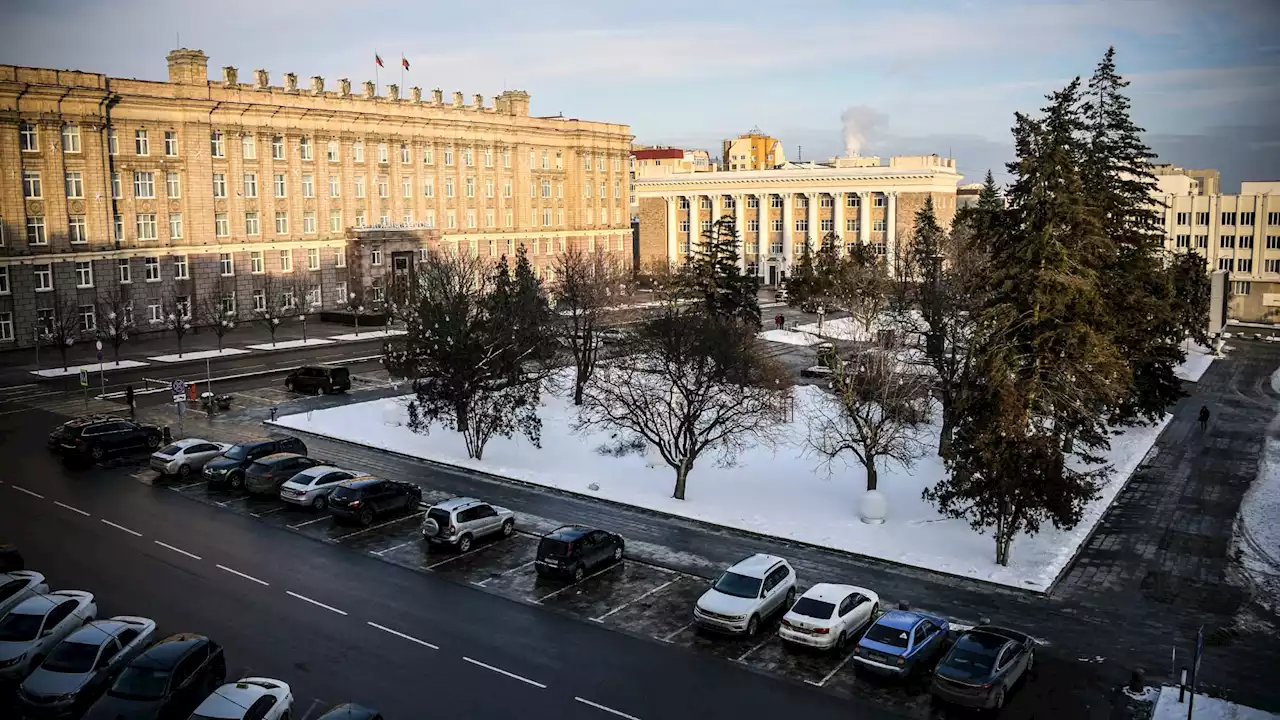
point(91, 367)
point(1257, 530)
point(367, 335)
point(1207, 708)
point(789, 337)
point(1199, 358)
point(201, 355)
point(287, 344)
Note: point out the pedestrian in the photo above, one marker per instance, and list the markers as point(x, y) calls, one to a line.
point(1204, 417)
point(273, 413)
point(778, 320)
point(128, 399)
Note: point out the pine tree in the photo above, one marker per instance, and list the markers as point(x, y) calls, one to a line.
point(1192, 291)
point(803, 283)
point(712, 274)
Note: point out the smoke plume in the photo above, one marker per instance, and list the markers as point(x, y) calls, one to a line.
point(860, 122)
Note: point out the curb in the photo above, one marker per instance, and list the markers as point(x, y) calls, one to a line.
point(256, 373)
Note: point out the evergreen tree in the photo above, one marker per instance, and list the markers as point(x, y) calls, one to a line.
point(712, 275)
point(1192, 291)
point(803, 285)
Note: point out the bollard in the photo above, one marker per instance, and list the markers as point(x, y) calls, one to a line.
point(1136, 681)
point(168, 437)
point(1182, 686)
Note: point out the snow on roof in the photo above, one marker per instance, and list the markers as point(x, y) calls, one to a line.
point(829, 592)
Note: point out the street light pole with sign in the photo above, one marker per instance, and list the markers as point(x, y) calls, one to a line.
point(102, 373)
point(84, 386)
point(179, 388)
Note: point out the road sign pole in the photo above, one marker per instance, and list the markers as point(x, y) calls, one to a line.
point(102, 373)
point(1195, 671)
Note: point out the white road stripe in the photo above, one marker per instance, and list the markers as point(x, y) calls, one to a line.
point(19, 488)
point(177, 550)
point(309, 522)
point(314, 602)
point(268, 512)
point(566, 587)
point(225, 503)
point(502, 574)
point(390, 549)
point(340, 538)
point(677, 632)
point(610, 710)
point(402, 635)
point(629, 602)
point(121, 527)
point(246, 577)
point(72, 509)
point(500, 671)
point(180, 488)
point(831, 674)
point(744, 655)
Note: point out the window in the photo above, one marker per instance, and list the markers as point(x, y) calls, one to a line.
point(379, 291)
point(359, 184)
point(488, 218)
point(152, 266)
point(308, 186)
point(471, 187)
point(430, 219)
point(851, 225)
point(600, 163)
point(282, 223)
point(509, 221)
point(251, 223)
point(146, 226)
point(404, 154)
point(1202, 241)
point(227, 304)
point(1272, 266)
point(4, 280)
point(43, 277)
point(88, 319)
point(468, 158)
point(6, 327)
point(506, 188)
point(488, 187)
point(488, 157)
point(277, 148)
point(35, 230)
point(1228, 218)
point(1246, 242)
point(217, 145)
point(1244, 265)
point(141, 145)
point(1227, 241)
point(335, 221)
point(1247, 218)
point(1184, 241)
point(170, 143)
point(1224, 263)
point(304, 147)
point(331, 151)
point(451, 220)
point(333, 186)
point(226, 266)
point(249, 147)
point(31, 186)
point(1183, 218)
point(70, 138)
point(281, 189)
point(448, 187)
point(359, 219)
point(113, 142)
point(1273, 218)
point(1202, 218)
point(1240, 287)
point(221, 225)
point(313, 296)
point(1273, 242)
point(878, 226)
point(75, 186)
point(775, 201)
point(382, 153)
point(286, 261)
point(251, 185)
point(144, 185)
point(219, 185)
point(340, 260)
point(340, 292)
point(175, 225)
point(471, 218)
point(29, 138)
point(546, 217)
point(802, 225)
point(259, 300)
point(84, 274)
point(775, 225)
point(429, 187)
point(375, 256)
point(703, 202)
point(604, 218)
point(407, 218)
point(180, 271)
point(382, 187)
point(313, 258)
point(117, 187)
point(827, 225)
point(448, 155)
point(309, 222)
point(255, 262)
point(506, 160)
point(406, 186)
point(429, 155)
point(126, 272)
point(879, 200)
point(546, 188)
point(357, 151)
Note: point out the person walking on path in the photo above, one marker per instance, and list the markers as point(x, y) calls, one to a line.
point(778, 320)
point(1204, 417)
point(273, 413)
point(128, 399)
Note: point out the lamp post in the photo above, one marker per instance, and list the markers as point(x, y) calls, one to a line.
point(303, 316)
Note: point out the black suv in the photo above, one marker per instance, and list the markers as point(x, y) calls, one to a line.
point(573, 551)
point(319, 378)
point(168, 680)
point(267, 474)
point(364, 499)
point(229, 467)
point(98, 437)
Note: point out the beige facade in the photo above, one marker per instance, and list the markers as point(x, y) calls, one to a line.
point(190, 187)
point(753, 151)
point(778, 211)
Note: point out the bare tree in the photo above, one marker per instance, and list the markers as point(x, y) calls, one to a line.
point(690, 384)
point(215, 315)
point(60, 326)
point(878, 409)
point(276, 306)
point(860, 286)
point(115, 319)
point(177, 316)
point(586, 286)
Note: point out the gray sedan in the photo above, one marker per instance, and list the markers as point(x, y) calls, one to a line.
point(83, 665)
point(186, 457)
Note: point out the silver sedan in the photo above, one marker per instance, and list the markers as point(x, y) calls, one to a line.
point(185, 457)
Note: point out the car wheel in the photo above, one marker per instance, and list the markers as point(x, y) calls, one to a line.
point(184, 471)
point(464, 543)
point(236, 481)
point(842, 640)
point(791, 599)
point(753, 625)
point(617, 553)
point(508, 527)
point(153, 442)
point(96, 452)
point(998, 702)
point(579, 572)
point(366, 517)
point(288, 385)
point(320, 503)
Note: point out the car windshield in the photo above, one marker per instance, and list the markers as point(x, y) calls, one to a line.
point(260, 467)
point(17, 627)
point(238, 452)
point(346, 493)
point(732, 583)
point(71, 657)
point(141, 683)
point(971, 659)
point(887, 636)
point(171, 450)
point(810, 607)
point(554, 548)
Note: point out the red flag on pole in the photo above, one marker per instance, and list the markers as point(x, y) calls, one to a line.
point(378, 59)
point(405, 62)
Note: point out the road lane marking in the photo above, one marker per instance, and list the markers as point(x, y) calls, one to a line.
point(831, 674)
point(744, 655)
point(503, 573)
point(598, 706)
point(246, 577)
point(500, 671)
point(433, 566)
point(177, 550)
point(410, 638)
point(672, 635)
point(629, 602)
point(340, 538)
point(314, 602)
point(566, 587)
point(121, 527)
point(380, 553)
point(32, 493)
point(309, 522)
point(72, 509)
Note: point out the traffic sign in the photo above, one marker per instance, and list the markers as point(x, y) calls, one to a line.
point(98, 344)
point(179, 387)
point(84, 377)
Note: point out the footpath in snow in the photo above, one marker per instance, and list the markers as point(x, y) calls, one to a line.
point(289, 344)
point(1206, 708)
point(789, 337)
point(783, 492)
point(91, 367)
point(367, 335)
point(199, 355)
point(1258, 525)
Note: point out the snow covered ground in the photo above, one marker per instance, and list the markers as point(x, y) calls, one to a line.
point(1257, 532)
point(91, 367)
point(367, 335)
point(783, 492)
point(286, 344)
point(201, 355)
point(840, 329)
point(789, 337)
point(1199, 358)
point(1207, 708)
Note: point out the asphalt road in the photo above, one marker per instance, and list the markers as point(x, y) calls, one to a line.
point(341, 626)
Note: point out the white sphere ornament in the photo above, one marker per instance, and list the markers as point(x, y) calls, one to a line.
point(872, 507)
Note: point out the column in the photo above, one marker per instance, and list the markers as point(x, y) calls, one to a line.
point(812, 237)
point(672, 247)
point(763, 237)
point(837, 223)
point(740, 223)
point(788, 228)
point(864, 217)
point(891, 231)
point(695, 231)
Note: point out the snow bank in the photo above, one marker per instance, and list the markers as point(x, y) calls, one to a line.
point(1207, 708)
point(789, 337)
point(1199, 358)
point(1257, 527)
point(201, 355)
point(74, 369)
point(782, 492)
point(367, 335)
point(288, 344)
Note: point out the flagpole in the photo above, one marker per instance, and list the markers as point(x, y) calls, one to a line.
point(375, 72)
point(402, 74)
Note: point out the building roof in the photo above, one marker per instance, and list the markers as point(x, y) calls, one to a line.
point(658, 154)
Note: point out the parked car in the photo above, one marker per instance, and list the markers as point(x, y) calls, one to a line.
point(36, 625)
point(251, 698)
point(613, 336)
point(827, 616)
point(168, 680)
point(97, 439)
point(312, 486)
point(11, 558)
point(19, 585)
point(748, 592)
point(229, 468)
point(364, 499)
point(461, 521)
point(80, 667)
point(900, 641)
point(267, 474)
point(319, 378)
point(186, 456)
point(979, 670)
point(351, 711)
point(66, 429)
point(574, 550)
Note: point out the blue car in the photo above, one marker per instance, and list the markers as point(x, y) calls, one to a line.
point(900, 641)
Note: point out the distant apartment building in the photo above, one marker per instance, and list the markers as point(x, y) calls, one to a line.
point(1206, 182)
point(778, 212)
point(753, 151)
point(661, 161)
point(967, 194)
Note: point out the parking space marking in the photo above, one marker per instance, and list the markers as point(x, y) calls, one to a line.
point(500, 671)
point(503, 573)
point(311, 708)
point(188, 486)
point(225, 503)
point(566, 587)
point(744, 655)
point(317, 603)
point(410, 638)
point(610, 710)
point(393, 548)
point(340, 538)
point(32, 493)
point(624, 605)
point(65, 506)
point(295, 526)
point(473, 550)
point(268, 512)
point(180, 551)
point(121, 527)
point(833, 672)
point(672, 635)
point(246, 577)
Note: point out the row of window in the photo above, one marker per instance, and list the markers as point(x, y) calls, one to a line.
point(776, 202)
point(1246, 218)
point(1243, 242)
point(851, 225)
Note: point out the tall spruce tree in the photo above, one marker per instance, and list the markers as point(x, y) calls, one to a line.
point(1192, 293)
point(1139, 292)
point(712, 275)
point(804, 283)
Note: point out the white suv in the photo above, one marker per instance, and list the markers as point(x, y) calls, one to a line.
point(748, 592)
point(461, 521)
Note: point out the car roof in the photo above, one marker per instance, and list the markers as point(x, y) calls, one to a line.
point(361, 482)
point(314, 469)
point(31, 576)
point(987, 640)
point(998, 631)
point(349, 711)
point(188, 442)
point(901, 619)
point(568, 533)
point(99, 631)
point(231, 700)
point(166, 653)
point(277, 457)
point(456, 503)
point(757, 565)
point(39, 604)
point(90, 419)
point(830, 592)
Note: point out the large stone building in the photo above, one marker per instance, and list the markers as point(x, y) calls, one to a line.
point(777, 211)
point(181, 191)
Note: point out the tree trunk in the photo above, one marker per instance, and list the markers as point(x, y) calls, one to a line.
point(62, 348)
point(579, 383)
point(872, 477)
point(460, 415)
point(682, 478)
point(1003, 543)
point(945, 436)
point(179, 345)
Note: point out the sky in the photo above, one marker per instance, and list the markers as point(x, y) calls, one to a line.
point(912, 76)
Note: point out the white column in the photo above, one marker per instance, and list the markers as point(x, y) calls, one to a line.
point(695, 229)
point(864, 217)
point(763, 237)
point(837, 222)
point(740, 223)
point(788, 228)
point(891, 231)
point(814, 236)
point(672, 247)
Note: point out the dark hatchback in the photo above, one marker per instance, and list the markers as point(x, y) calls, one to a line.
point(364, 499)
point(351, 711)
point(267, 474)
point(319, 378)
point(573, 551)
point(169, 680)
point(983, 666)
point(97, 437)
point(229, 467)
